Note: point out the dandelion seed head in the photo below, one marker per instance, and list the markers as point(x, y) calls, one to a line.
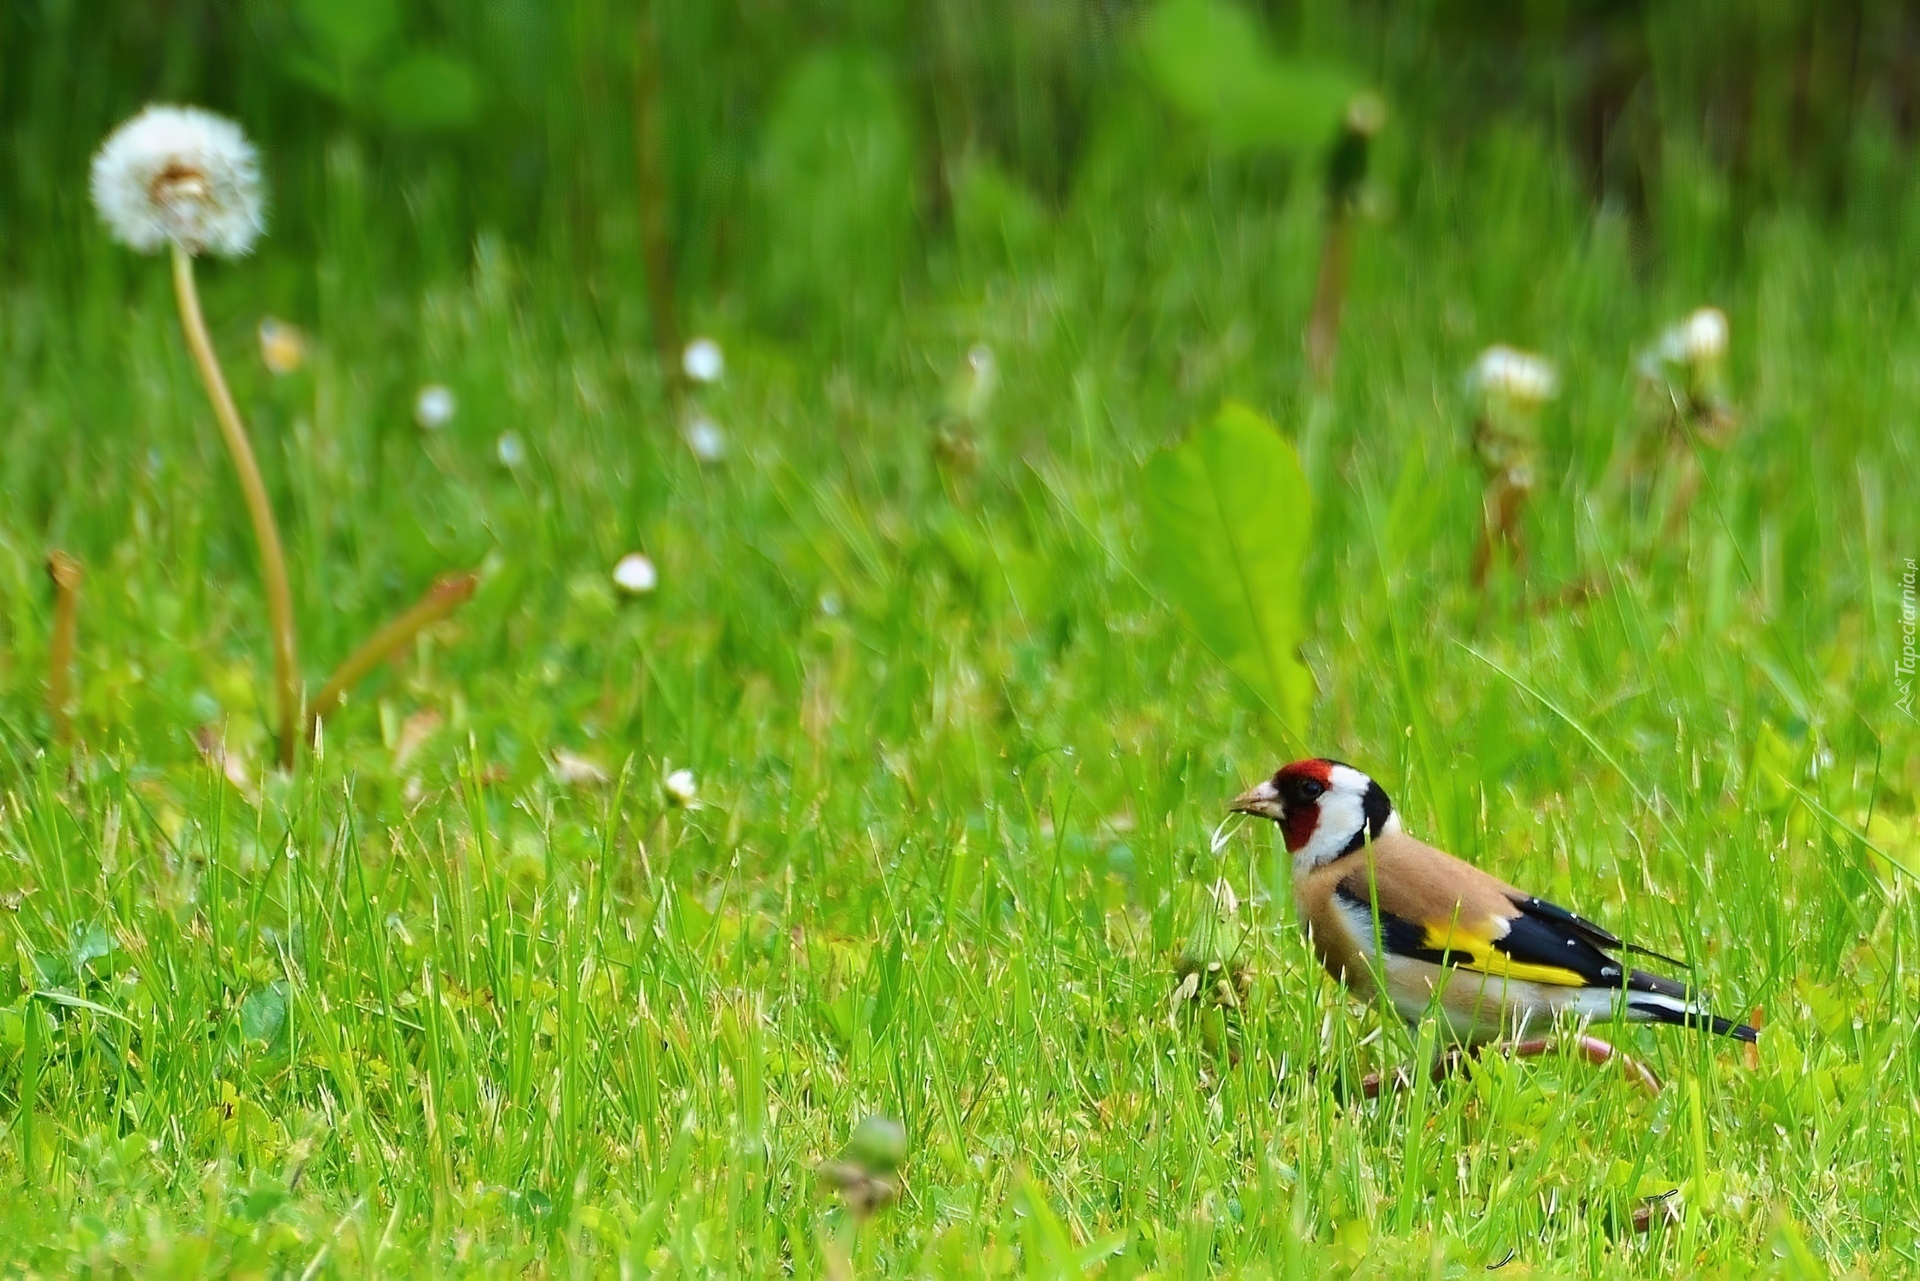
point(434, 407)
point(705, 439)
point(1513, 375)
point(703, 361)
point(1704, 336)
point(635, 574)
point(180, 176)
point(682, 788)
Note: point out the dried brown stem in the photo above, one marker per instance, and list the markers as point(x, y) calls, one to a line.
point(448, 593)
point(266, 533)
point(1502, 505)
point(1685, 490)
point(66, 574)
point(1329, 297)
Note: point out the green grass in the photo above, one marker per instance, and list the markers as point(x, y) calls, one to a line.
point(958, 768)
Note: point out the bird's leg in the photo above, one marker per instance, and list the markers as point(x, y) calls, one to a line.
point(1591, 1048)
point(1595, 1051)
point(1445, 1064)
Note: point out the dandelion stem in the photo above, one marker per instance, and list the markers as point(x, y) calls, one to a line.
point(1329, 293)
point(1345, 174)
point(273, 561)
point(448, 593)
point(66, 573)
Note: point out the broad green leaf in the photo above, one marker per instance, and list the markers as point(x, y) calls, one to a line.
point(1230, 516)
point(352, 31)
point(263, 1015)
point(836, 184)
point(430, 90)
point(1209, 58)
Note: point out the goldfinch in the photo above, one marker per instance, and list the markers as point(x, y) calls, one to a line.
point(1381, 907)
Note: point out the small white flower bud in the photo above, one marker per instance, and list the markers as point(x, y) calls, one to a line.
point(681, 787)
point(434, 407)
point(705, 439)
point(283, 348)
point(635, 574)
point(703, 361)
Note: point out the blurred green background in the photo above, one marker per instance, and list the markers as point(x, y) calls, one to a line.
point(519, 117)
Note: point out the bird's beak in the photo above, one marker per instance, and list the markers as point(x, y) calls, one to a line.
point(1261, 799)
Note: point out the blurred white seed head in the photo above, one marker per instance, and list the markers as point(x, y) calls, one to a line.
point(682, 789)
point(705, 439)
point(283, 348)
point(180, 176)
point(703, 361)
point(510, 450)
point(434, 407)
point(635, 574)
point(1696, 343)
point(1705, 337)
point(1517, 378)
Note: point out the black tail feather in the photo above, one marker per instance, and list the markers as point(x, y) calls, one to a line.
point(1694, 1018)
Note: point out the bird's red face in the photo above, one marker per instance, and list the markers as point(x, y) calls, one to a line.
point(1290, 798)
point(1323, 807)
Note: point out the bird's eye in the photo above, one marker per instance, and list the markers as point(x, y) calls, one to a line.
point(1308, 789)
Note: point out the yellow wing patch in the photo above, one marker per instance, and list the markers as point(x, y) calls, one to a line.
point(1483, 957)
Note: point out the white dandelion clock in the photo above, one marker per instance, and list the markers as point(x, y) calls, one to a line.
point(682, 789)
point(703, 361)
point(180, 176)
point(1695, 345)
point(1517, 377)
point(186, 178)
point(635, 574)
point(1704, 336)
point(1685, 374)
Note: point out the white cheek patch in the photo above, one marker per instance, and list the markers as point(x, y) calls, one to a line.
point(1343, 815)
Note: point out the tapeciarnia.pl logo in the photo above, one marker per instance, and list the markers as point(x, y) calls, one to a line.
point(1903, 666)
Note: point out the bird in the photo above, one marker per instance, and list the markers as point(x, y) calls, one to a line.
point(1381, 908)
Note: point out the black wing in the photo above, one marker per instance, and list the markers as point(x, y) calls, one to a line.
point(1586, 929)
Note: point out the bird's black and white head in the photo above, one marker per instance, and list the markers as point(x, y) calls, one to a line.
point(1324, 808)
